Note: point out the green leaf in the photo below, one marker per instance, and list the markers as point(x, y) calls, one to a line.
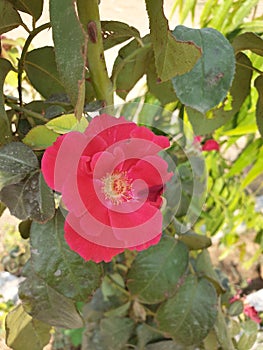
point(115, 332)
point(129, 66)
point(70, 46)
point(45, 304)
point(259, 108)
point(248, 41)
point(204, 124)
point(164, 91)
point(156, 271)
point(195, 241)
point(247, 157)
point(40, 137)
point(41, 69)
point(167, 345)
point(67, 123)
point(30, 198)
point(191, 313)
point(5, 131)
point(236, 308)
point(207, 84)
point(9, 17)
point(16, 161)
point(249, 336)
point(205, 268)
point(22, 330)
point(60, 267)
point(114, 33)
point(222, 332)
point(34, 8)
point(172, 57)
point(255, 171)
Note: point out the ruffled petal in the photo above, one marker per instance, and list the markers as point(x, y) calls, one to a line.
point(88, 250)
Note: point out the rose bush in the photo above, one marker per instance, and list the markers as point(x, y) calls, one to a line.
point(111, 179)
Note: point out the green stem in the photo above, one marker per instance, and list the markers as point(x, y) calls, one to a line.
point(88, 11)
point(27, 111)
point(21, 62)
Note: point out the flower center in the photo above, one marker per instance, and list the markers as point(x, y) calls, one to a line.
point(117, 187)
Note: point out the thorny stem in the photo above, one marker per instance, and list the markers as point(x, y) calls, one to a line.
point(27, 111)
point(88, 11)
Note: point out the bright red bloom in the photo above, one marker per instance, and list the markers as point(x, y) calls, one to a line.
point(111, 179)
point(208, 145)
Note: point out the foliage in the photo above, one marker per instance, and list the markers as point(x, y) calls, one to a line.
point(168, 296)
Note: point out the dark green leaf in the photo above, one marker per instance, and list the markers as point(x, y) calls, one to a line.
point(172, 57)
point(2, 208)
point(60, 267)
point(163, 91)
point(259, 107)
point(207, 84)
point(167, 345)
point(146, 334)
point(24, 228)
point(34, 8)
point(41, 69)
point(40, 137)
point(222, 332)
point(9, 17)
point(69, 46)
point(248, 41)
point(205, 268)
point(156, 271)
point(22, 330)
point(5, 131)
point(114, 33)
point(30, 198)
point(115, 332)
point(16, 161)
point(129, 66)
point(45, 304)
point(204, 124)
point(191, 313)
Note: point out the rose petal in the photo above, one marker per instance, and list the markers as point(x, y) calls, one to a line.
point(88, 250)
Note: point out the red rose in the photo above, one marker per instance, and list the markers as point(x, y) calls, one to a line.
point(111, 179)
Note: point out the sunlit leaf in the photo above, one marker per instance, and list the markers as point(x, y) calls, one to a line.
point(172, 57)
point(67, 123)
point(22, 330)
point(40, 137)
